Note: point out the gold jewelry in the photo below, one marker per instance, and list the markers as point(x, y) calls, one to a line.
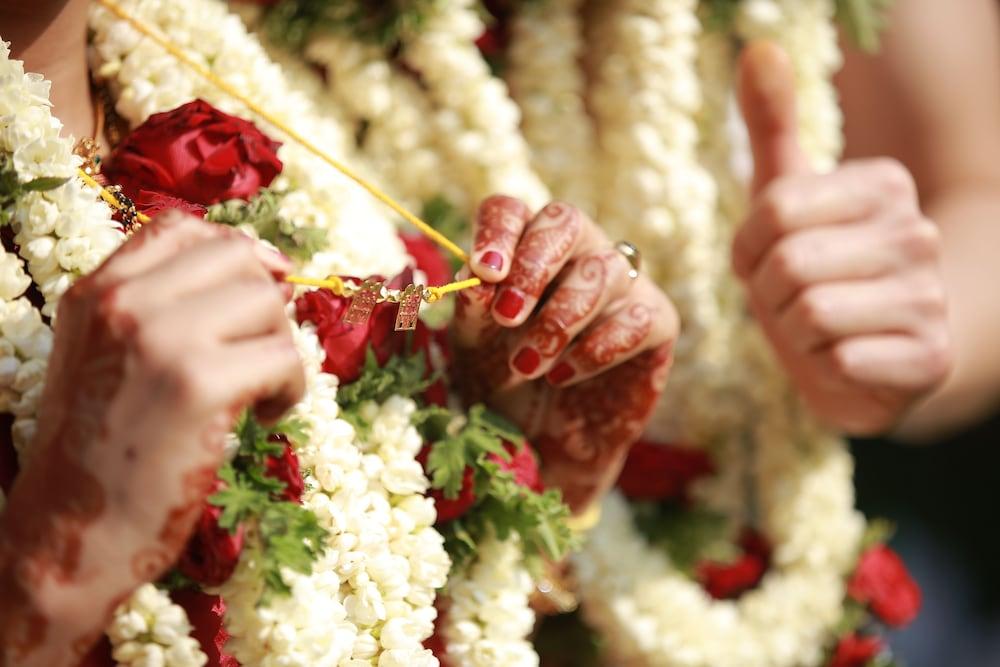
point(632, 255)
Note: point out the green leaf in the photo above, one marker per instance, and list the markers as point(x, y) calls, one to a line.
point(262, 213)
point(878, 531)
point(401, 376)
point(688, 535)
point(863, 21)
point(44, 183)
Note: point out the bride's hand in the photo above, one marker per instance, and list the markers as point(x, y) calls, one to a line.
point(562, 340)
point(154, 355)
point(842, 269)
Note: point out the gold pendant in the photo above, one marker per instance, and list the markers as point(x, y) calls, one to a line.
point(409, 308)
point(363, 303)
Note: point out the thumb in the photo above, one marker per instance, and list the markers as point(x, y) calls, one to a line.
point(767, 99)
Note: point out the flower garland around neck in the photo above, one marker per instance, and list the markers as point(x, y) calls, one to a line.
point(781, 593)
point(327, 521)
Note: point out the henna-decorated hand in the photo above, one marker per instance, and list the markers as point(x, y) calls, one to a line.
point(561, 340)
point(154, 355)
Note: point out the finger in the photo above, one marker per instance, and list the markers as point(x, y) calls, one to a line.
point(549, 241)
point(264, 372)
point(499, 223)
point(473, 320)
point(634, 328)
point(590, 283)
point(828, 312)
point(171, 233)
point(767, 100)
point(230, 313)
point(856, 192)
point(892, 361)
point(856, 251)
point(208, 264)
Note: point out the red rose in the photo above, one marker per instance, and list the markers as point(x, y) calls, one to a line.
point(346, 345)
point(523, 464)
point(490, 42)
point(436, 347)
point(882, 582)
point(154, 203)
point(656, 471)
point(205, 612)
point(853, 650)
point(212, 552)
point(286, 468)
point(196, 153)
point(428, 258)
point(725, 581)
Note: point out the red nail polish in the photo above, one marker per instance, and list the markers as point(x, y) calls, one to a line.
point(492, 259)
point(527, 360)
point(510, 303)
point(561, 373)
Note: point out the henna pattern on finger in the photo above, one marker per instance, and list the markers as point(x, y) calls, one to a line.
point(570, 305)
point(613, 338)
point(500, 221)
point(544, 248)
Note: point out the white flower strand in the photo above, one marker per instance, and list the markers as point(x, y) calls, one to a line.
point(370, 598)
point(652, 614)
point(657, 194)
point(490, 616)
point(149, 630)
point(546, 81)
point(400, 143)
point(476, 119)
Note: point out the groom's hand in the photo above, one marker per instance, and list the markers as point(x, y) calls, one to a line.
point(842, 269)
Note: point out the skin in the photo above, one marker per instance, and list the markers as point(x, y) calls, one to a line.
point(937, 80)
point(561, 340)
point(842, 269)
point(155, 353)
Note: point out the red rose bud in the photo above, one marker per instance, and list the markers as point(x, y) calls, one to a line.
point(205, 612)
point(428, 257)
point(285, 467)
point(490, 42)
point(882, 582)
point(154, 203)
point(656, 471)
point(853, 650)
point(212, 552)
point(725, 581)
point(346, 345)
point(196, 153)
point(523, 464)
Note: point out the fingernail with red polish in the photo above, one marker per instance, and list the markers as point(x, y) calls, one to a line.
point(527, 360)
point(510, 303)
point(492, 260)
point(561, 373)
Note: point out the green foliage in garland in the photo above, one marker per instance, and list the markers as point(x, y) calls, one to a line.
point(863, 21)
point(466, 440)
point(502, 507)
point(689, 535)
point(289, 535)
point(11, 187)
point(262, 214)
point(384, 22)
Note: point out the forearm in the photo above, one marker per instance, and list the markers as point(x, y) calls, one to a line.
point(54, 600)
point(969, 218)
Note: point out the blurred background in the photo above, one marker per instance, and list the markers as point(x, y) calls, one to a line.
point(945, 501)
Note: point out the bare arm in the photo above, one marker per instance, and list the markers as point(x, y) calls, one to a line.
point(931, 99)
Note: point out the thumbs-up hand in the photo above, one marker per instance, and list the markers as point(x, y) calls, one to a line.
point(842, 269)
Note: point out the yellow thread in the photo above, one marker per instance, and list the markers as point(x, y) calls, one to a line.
point(178, 53)
point(439, 291)
point(586, 520)
point(333, 283)
point(107, 196)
